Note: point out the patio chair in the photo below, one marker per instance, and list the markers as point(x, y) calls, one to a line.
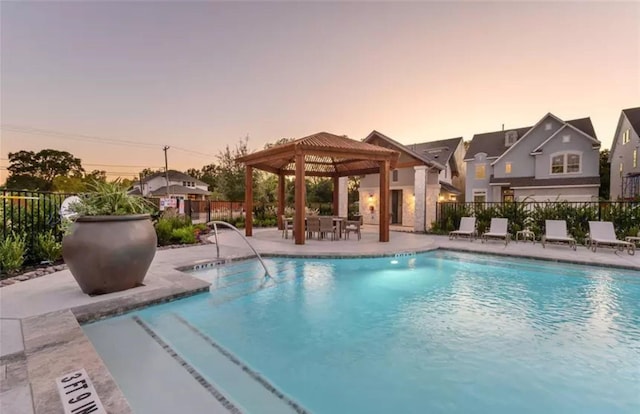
point(497, 230)
point(286, 226)
point(326, 226)
point(352, 226)
point(313, 226)
point(555, 231)
point(602, 233)
point(467, 228)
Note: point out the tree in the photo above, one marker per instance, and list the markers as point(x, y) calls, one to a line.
point(36, 171)
point(605, 175)
point(231, 175)
point(148, 171)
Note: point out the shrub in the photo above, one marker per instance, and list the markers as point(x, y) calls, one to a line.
point(12, 252)
point(166, 226)
point(184, 235)
point(164, 229)
point(48, 248)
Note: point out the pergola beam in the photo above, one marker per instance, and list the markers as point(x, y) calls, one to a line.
point(248, 201)
point(299, 221)
point(384, 201)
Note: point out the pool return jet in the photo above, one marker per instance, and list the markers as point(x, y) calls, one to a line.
point(234, 228)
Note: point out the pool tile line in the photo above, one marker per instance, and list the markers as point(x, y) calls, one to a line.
point(621, 266)
point(86, 316)
point(253, 374)
point(192, 371)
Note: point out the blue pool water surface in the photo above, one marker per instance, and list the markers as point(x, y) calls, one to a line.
point(439, 332)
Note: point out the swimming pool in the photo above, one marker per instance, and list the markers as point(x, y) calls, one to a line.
point(435, 332)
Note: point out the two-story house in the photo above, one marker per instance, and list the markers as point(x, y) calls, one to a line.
point(181, 186)
point(426, 173)
point(625, 168)
point(552, 160)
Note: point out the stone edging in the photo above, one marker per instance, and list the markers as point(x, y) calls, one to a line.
point(32, 274)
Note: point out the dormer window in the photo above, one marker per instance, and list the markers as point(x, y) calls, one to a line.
point(510, 138)
point(548, 126)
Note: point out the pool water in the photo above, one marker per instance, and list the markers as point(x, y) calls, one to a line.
point(436, 332)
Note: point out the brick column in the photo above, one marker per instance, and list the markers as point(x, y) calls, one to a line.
point(343, 208)
point(419, 188)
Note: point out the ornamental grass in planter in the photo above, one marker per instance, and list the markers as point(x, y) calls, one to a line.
point(111, 242)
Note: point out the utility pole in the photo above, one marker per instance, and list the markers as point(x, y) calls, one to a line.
point(166, 167)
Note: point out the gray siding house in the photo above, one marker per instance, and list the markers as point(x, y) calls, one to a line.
point(625, 168)
point(552, 160)
point(427, 172)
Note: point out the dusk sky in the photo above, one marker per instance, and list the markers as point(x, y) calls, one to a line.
point(200, 75)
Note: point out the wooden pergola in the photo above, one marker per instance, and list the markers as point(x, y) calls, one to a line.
point(319, 155)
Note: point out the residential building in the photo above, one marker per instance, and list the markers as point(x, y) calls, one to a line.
point(625, 166)
point(426, 173)
point(181, 186)
point(551, 161)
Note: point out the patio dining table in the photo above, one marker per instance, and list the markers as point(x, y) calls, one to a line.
point(339, 222)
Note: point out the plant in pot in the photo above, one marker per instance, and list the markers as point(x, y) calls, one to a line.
point(111, 242)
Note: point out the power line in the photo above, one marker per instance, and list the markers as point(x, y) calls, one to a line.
point(88, 138)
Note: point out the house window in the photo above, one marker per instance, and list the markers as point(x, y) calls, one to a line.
point(626, 136)
point(548, 126)
point(480, 172)
point(479, 196)
point(394, 176)
point(621, 168)
point(507, 195)
point(510, 138)
point(507, 168)
point(567, 163)
point(635, 158)
point(184, 183)
point(566, 138)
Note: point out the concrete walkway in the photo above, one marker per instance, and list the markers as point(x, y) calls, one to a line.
point(35, 308)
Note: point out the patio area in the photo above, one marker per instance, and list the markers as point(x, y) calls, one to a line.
point(41, 338)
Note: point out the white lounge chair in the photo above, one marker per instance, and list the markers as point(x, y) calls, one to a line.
point(602, 233)
point(497, 230)
point(467, 228)
point(556, 232)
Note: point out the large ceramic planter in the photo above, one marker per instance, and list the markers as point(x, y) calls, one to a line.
point(109, 253)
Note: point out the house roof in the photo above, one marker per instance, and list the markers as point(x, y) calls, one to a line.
point(420, 156)
point(515, 182)
point(442, 151)
point(492, 143)
point(449, 188)
point(135, 191)
point(325, 154)
point(178, 189)
point(633, 115)
point(174, 175)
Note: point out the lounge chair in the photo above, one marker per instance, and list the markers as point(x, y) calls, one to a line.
point(467, 228)
point(555, 231)
point(497, 230)
point(313, 226)
point(602, 233)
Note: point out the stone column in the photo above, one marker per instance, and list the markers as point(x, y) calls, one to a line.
point(419, 188)
point(343, 208)
point(433, 193)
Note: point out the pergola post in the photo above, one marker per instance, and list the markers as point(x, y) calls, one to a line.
point(384, 200)
point(299, 224)
point(336, 195)
point(281, 200)
point(248, 201)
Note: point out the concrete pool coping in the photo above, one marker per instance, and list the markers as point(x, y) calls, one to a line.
point(40, 318)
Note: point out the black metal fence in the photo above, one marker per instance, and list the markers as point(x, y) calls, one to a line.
point(31, 213)
point(625, 215)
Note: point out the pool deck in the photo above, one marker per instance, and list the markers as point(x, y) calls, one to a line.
point(41, 338)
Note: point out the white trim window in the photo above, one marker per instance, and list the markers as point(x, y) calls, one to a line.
point(481, 171)
point(479, 196)
point(566, 163)
point(635, 158)
point(626, 136)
